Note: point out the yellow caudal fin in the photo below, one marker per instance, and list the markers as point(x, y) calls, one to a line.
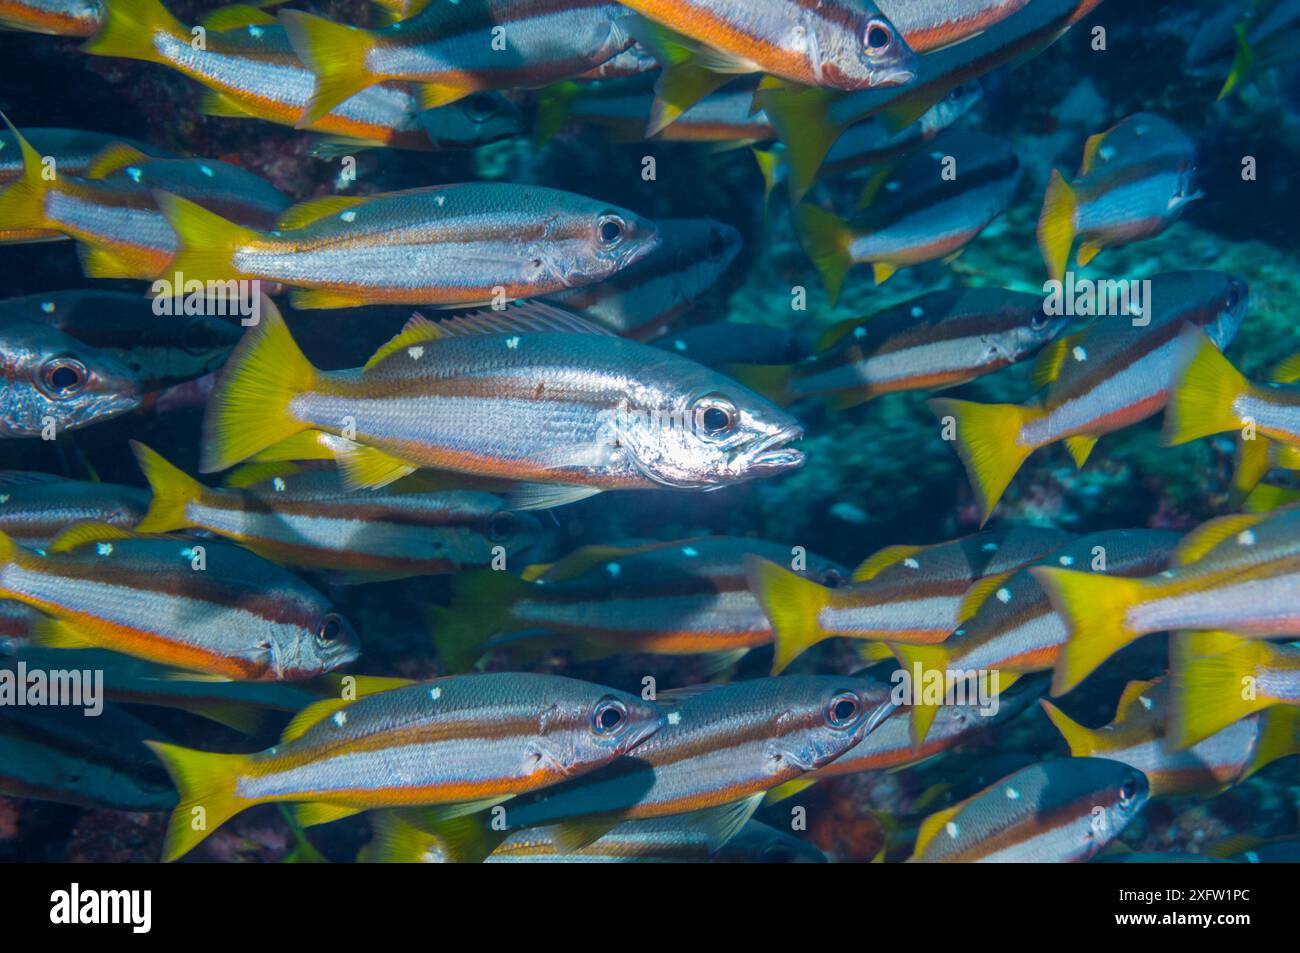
point(249, 407)
point(1267, 497)
point(336, 53)
point(205, 242)
point(22, 202)
point(173, 491)
point(1056, 225)
point(769, 167)
point(801, 119)
point(929, 658)
point(1243, 62)
point(792, 603)
point(1082, 741)
point(129, 29)
point(685, 77)
point(987, 438)
point(1254, 460)
point(480, 608)
point(827, 240)
point(394, 841)
point(1093, 607)
point(1203, 397)
point(1211, 688)
point(1280, 738)
point(206, 782)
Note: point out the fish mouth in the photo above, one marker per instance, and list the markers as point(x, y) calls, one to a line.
point(899, 75)
point(773, 457)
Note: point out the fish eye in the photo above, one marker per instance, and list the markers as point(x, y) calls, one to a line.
point(481, 106)
point(831, 578)
point(842, 710)
point(331, 627)
point(610, 229)
point(717, 245)
point(501, 526)
point(715, 416)
point(1127, 792)
point(1234, 297)
point(878, 37)
point(609, 716)
point(63, 377)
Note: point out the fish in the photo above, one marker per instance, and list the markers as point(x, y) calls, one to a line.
point(927, 25)
point(72, 150)
point(621, 108)
point(1114, 373)
point(809, 121)
point(1252, 38)
point(59, 754)
point(35, 508)
point(453, 245)
point(1061, 811)
point(682, 597)
point(1220, 681)
point(1138, 736)
point(463, 740)
point(1017, 631)
point(1234, 574)
point(490, 390)
point(123, 326)
point(633, 61)
point(209, 608)
point(891, 746)
point(923, 212)
point(53, 17)
point(248, 68)
point(720, 749)
point(1135, 181)
point(939, 339)
point(54, 384)
point(903, 593)
point(113, 212)
point(726, 344)
point(313, 521)
point(674, 839)
point(452, 49)
point(656, 290)
point(836, 44)
point(1211, 396)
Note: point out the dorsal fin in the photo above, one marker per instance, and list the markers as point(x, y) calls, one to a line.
point(881, 560)
point(581, 560)
point(27, 477)
point(313, 210)
point(83, 533)
point(236, 16)
point(1286, 372)
point(529, 317)
point(1196, 544)
point(418, 330)
point(1090, 149)
point(933, 825)
point(1133, 694)
point(113, 158)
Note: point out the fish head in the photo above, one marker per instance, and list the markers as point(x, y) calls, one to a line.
point(955, 104)
point(601, 245)
point(1231, 306)
point(701, 250)
point(1118, 802)
point(1030, 335)
point(711, 435)
point(49, 376)
point(300, 651)
point(514, 531)
point(857, 49)
point(593, 729)
point(476, 120)
point(825, 717)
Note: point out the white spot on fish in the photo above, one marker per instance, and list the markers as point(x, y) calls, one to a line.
point(47, 307)
point(918, 312)
point(613, 569)
point(1080, 354)
point(1012, 794)
point(133, 174)
point(279, 484)
point(255, 31)
point(990, 547)
point(679, 345)
point(416, 352)
point(1246, 538)
point(911, 563)
point(952, 829)
point(512, 342)
point(674, 718)
point(859, 332)
point(435, 693)
point(1004, 595)
point(1147, 703)
point(1106, 152)
point(690, 551)
point(1066, 560)
point(340, 718)
point(4, 497)
point(206, 170)
point(348, 216)
point(893, 187)
point(440, 200)
point(104, 549)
